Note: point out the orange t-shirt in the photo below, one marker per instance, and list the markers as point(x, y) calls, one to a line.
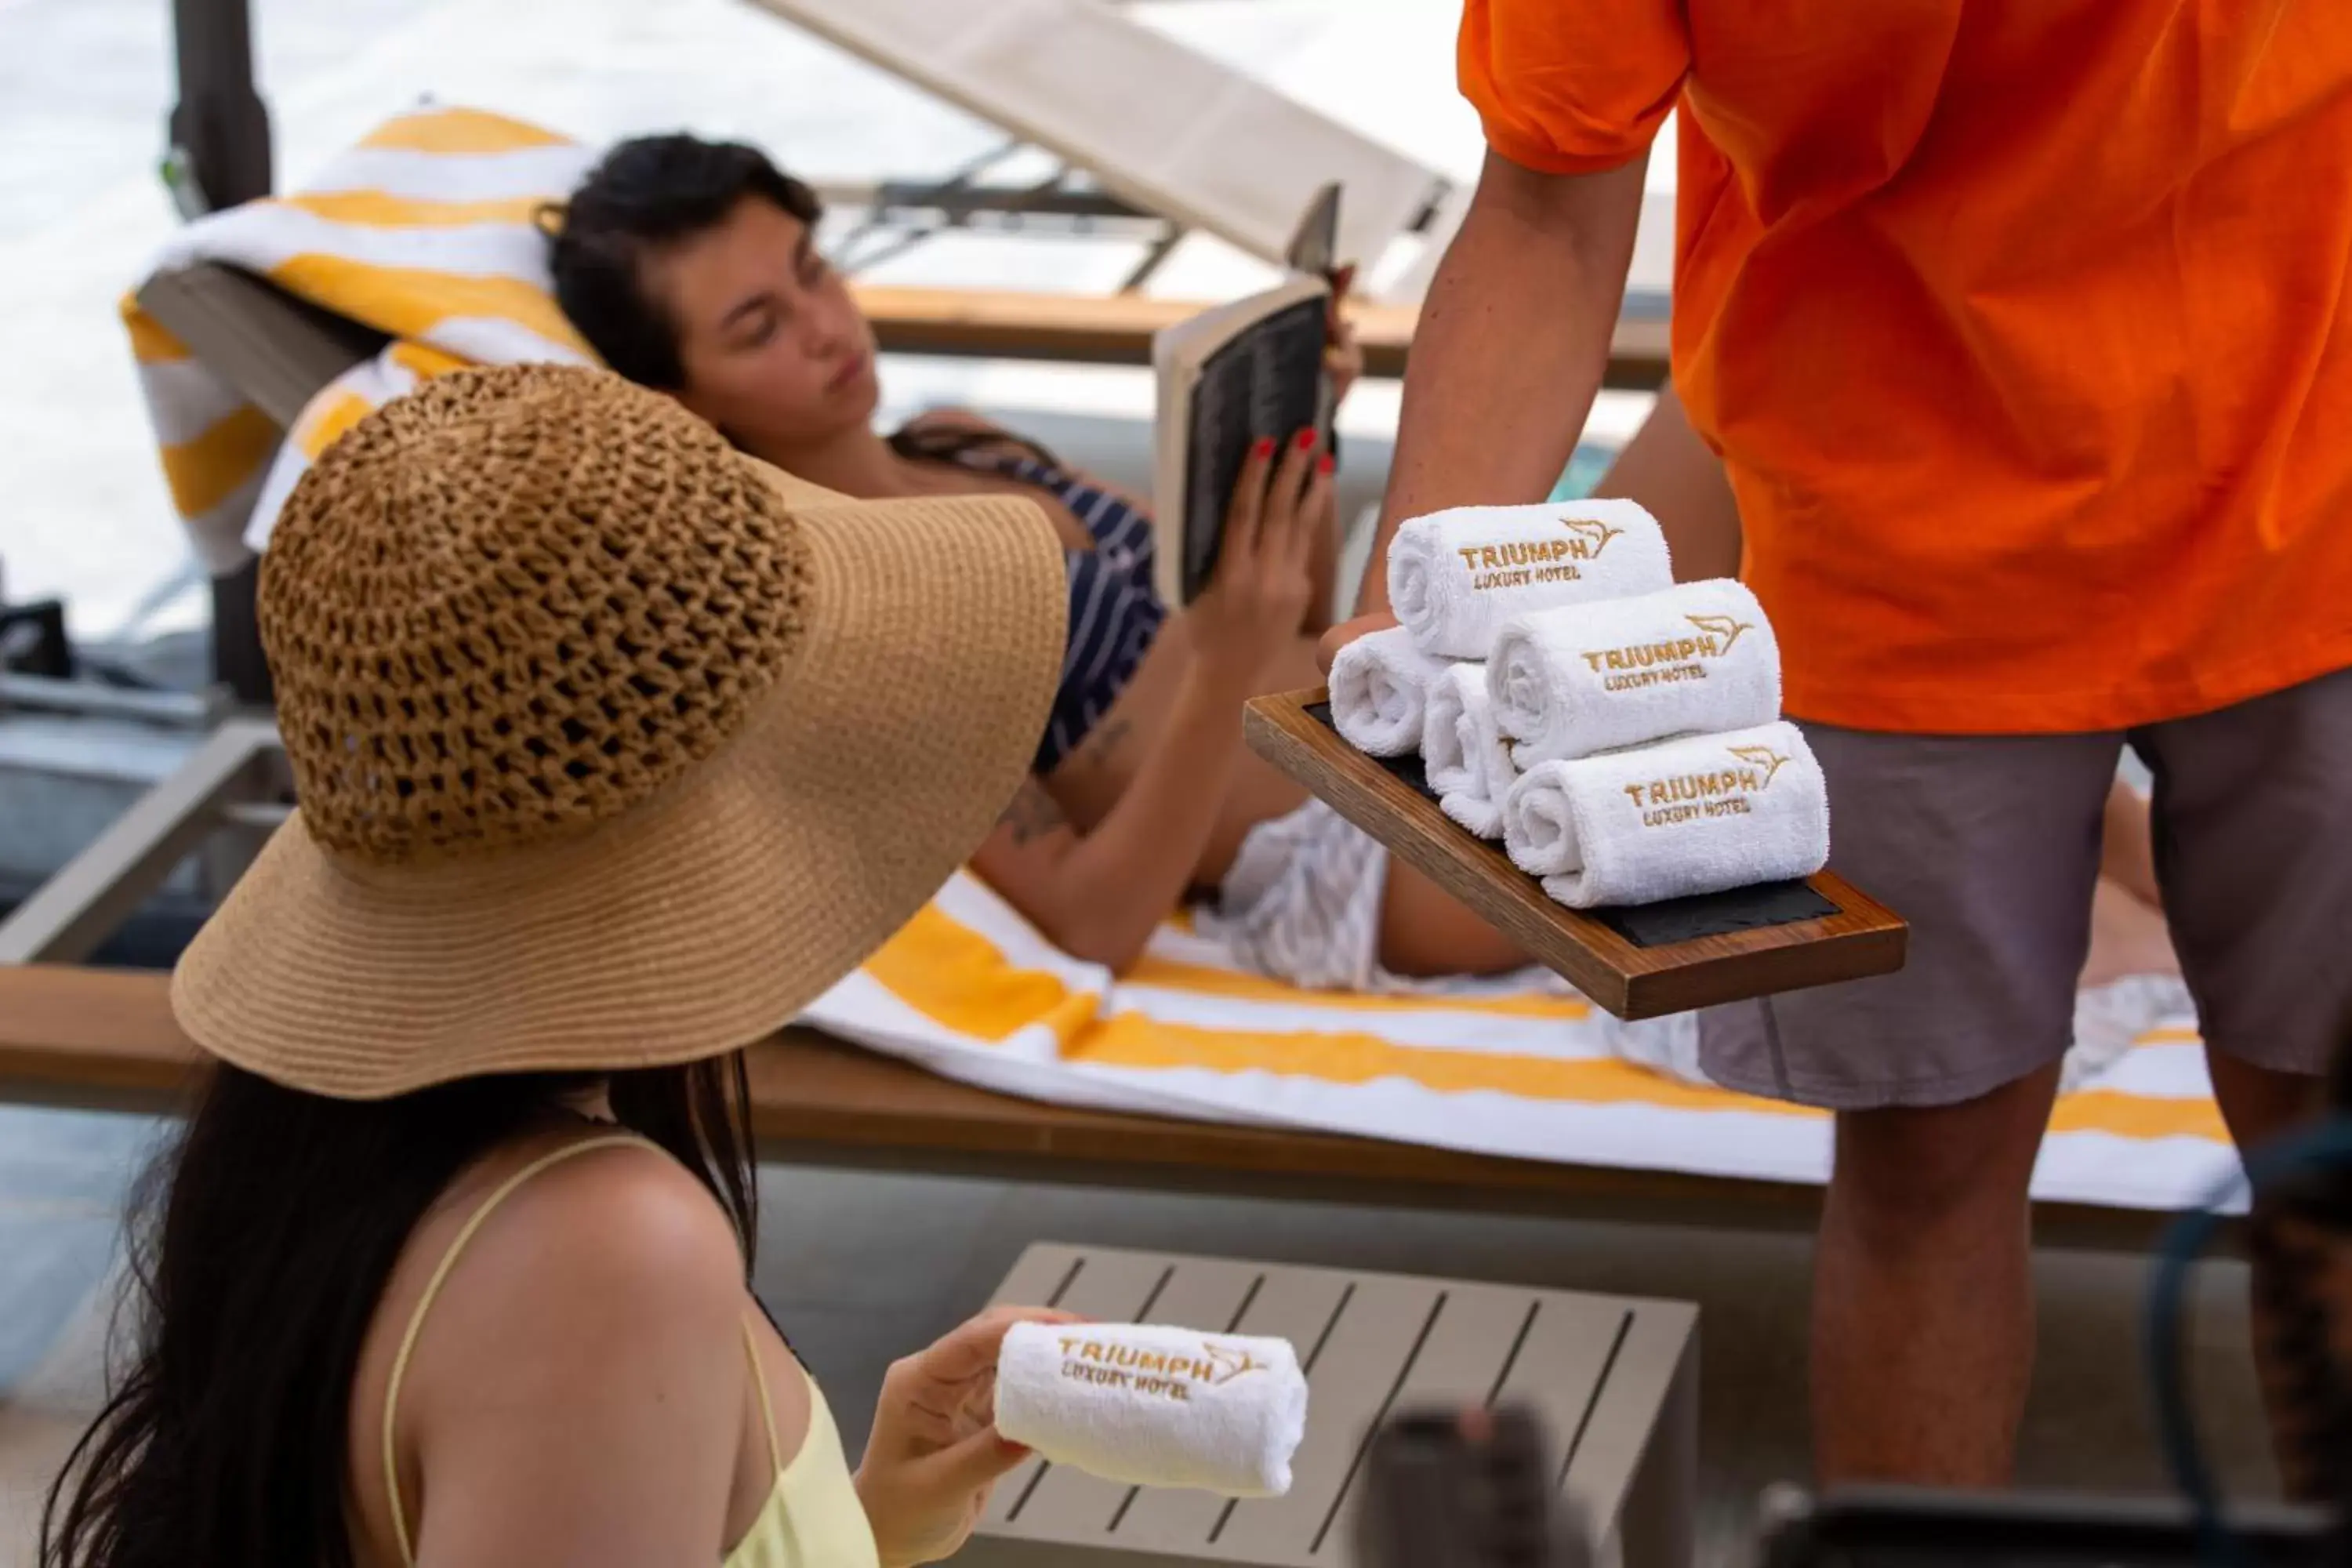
point(2022, 326)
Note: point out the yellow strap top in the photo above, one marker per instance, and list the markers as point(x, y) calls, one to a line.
point(813, 1518)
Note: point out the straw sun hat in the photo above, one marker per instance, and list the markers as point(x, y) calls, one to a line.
point(614, 747)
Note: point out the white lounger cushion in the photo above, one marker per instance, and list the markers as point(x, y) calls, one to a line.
point(1159, 124)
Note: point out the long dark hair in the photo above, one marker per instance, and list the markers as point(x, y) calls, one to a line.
point(261, 1244)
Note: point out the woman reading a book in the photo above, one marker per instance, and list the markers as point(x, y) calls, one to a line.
point(691, 266)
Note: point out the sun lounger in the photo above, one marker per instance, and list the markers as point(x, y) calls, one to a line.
point(970, 992)
point(1167, 128)
point(281, 351)
point(982, 1049)
point(105, 1038)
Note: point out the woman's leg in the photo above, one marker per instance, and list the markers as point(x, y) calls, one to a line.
point(1425, 932)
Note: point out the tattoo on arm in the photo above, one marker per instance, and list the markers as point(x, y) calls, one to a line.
point(1107, 738)
point(1032, 814)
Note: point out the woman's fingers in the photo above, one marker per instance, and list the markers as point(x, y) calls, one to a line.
point(970, 1351)
point(1341, 279)
point(1283, 503)
point(1314, 511)
point(1245, 513)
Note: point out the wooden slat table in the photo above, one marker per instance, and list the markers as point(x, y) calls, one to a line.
point(1860, 938)
point(105, 1038)
point(1615, 1382)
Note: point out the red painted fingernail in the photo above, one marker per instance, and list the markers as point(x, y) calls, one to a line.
point(1305, 439)
point(1263, 448)
point(1327, 465)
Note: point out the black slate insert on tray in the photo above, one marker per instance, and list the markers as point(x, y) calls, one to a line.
point(1675, 920)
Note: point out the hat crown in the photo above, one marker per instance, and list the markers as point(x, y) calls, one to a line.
point(516, 603)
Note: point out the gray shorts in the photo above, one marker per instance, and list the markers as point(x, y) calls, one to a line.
point(1990, 847)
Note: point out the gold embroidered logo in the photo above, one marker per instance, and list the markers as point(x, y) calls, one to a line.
point(1719, 792)
point(1724, 629)
point(1521, 562)
point(1764, 757)
point(1669, 659)
point(1591, 532)
point(1154, 1371)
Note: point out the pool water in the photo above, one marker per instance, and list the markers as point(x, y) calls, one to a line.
point(1584, 472)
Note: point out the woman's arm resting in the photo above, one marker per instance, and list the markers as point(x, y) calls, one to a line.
point(1100, 897)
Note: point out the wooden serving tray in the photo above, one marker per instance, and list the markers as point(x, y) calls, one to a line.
point(1638, 964)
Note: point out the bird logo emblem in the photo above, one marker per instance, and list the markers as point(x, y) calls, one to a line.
point(1725, 629)
point(1763, 757)
point(1231, 1363)
point(1591, 532)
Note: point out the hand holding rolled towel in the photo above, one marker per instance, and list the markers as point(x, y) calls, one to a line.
point(1379, 692)
point(1463, 755)
point(1455, 577)
point(1155, 1407)
point(1699, 659)
point(1700, 815)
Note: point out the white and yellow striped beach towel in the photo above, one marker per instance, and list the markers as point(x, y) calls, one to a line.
point(971, 991)
point(425, 231)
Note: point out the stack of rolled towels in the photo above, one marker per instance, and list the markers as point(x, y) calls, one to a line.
point(1620, 734)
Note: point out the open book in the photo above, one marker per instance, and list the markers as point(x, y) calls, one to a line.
point(1249, 370)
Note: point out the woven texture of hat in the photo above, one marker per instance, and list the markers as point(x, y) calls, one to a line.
point(516, 604)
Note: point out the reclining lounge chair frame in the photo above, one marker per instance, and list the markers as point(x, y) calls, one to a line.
point(105, 1038)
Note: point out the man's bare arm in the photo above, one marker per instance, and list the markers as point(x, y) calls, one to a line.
point(1667, 469)
point(1511, 345)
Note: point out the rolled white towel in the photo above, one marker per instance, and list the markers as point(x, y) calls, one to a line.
point(1699, 814)
point(1380, 687)
point(1697, 658)
point(1462, 754)
point(1155, 1407)
point(1455, 577)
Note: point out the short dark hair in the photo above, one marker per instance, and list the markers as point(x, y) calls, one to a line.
point(646, 192)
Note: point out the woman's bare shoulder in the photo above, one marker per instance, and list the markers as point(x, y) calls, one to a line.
point(610, 1242)
point(632, 1215)
point(960, 420)
point(590, 1331)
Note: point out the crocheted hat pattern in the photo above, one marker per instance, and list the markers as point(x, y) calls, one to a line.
point(516, 603)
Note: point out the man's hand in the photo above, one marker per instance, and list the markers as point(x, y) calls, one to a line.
point(1345, 631)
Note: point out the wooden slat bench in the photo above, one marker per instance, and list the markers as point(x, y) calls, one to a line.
point(105, 1038)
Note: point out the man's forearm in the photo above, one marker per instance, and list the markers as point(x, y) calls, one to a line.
point(1511, 344)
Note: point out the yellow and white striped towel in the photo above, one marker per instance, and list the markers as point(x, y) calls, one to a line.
point(425, 231)
point(971, 991)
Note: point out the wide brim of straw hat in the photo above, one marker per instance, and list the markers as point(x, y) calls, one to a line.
point(713, 914)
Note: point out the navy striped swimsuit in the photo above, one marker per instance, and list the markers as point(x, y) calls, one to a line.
point(1114, 609)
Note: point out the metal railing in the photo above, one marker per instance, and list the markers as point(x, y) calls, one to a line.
point(222, 801)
